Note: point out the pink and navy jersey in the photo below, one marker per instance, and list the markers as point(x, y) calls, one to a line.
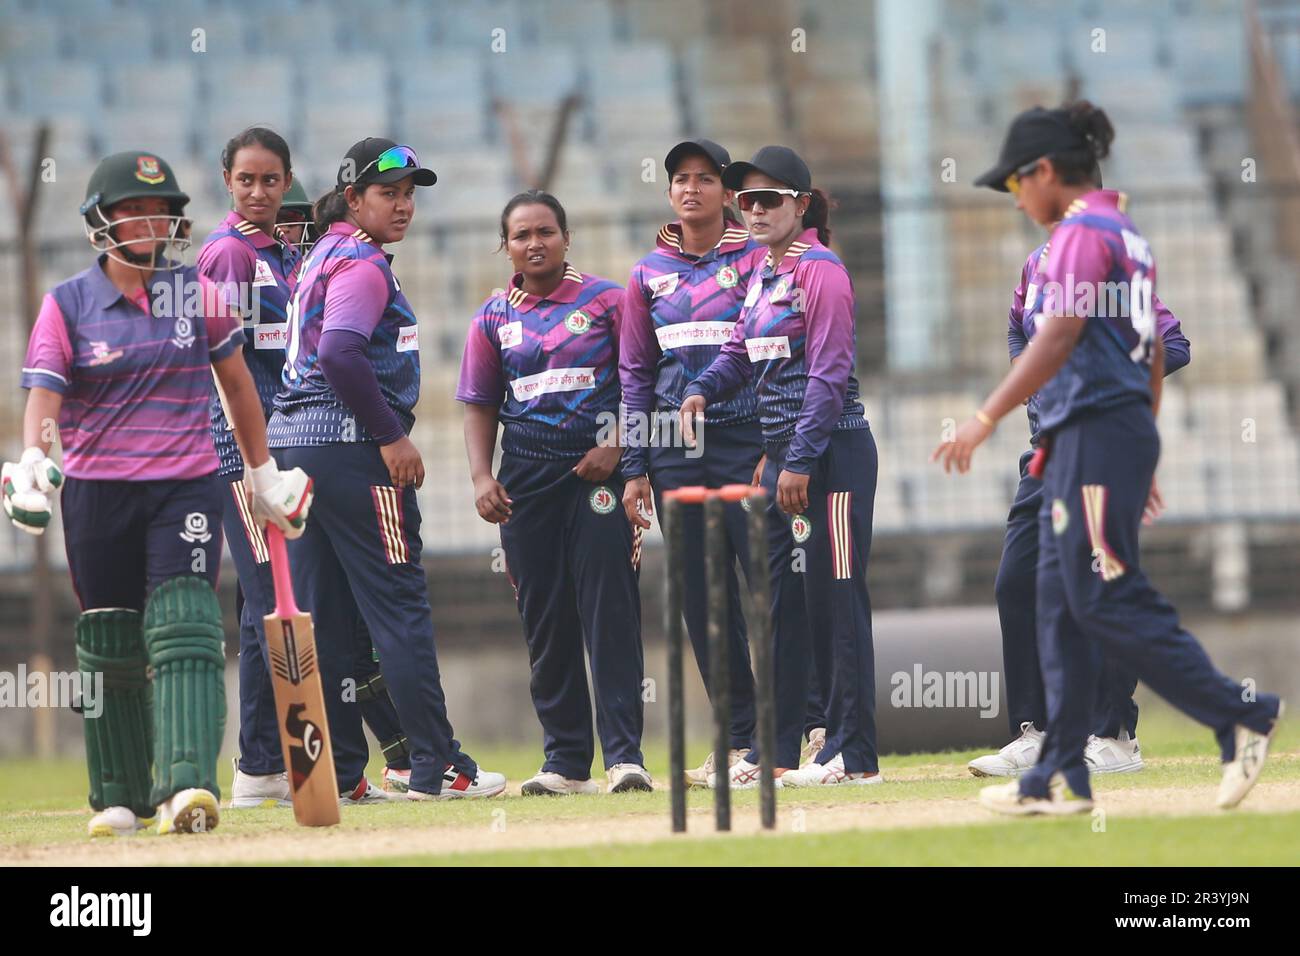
point(1026, 302)
point(796, 341)
point(678, 311)
point(550, 364)
point(134, 373)
point(346, 282)
point(256, 272)
point(1099, 268)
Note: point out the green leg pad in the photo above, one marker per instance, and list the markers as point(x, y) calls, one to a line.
point(182, 630)
point(119, 725)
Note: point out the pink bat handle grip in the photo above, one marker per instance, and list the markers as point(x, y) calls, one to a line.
point(285, 605)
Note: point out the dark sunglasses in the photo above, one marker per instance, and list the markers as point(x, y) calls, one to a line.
point(767, 198)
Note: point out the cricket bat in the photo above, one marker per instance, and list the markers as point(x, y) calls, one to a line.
point(299, 698)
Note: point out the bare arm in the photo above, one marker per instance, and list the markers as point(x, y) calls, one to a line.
point(40, 421)
point(243, 407)
point(490, 497)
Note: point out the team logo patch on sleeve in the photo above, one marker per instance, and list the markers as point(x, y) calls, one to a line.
point(148, 171)
point(727, 277)
point(603, 500)
point(577, 321)
point(801, 527)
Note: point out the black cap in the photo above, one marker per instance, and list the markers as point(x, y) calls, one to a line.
point(1035, 133)
point(697, 147)
point(359, 166)
point(779, 162)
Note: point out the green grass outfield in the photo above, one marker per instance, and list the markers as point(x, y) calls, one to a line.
point(42, 815)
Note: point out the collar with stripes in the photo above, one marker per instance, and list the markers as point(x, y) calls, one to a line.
point(1098, 197)
point(566, 291)
point(791, 257)
point(733, 238)
point(252, 233)
point(346, 228)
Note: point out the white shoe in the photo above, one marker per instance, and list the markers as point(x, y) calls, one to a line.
point(365, 793)
point(701, 775)
point(629, 778)
point(546, 783)
point(117, 822)
point(1013, 759)
point(458, 786)
point(257, 790)
point(744, 775)
point(1241, 773)
point(1007, 798)
point(816, 741)
point(829, 774)
point(396, 781)
point(1112, 754)
point(189, 811)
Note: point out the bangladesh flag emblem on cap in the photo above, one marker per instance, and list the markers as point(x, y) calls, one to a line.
point(148, 171)
point(577, 322)
point(727, 277)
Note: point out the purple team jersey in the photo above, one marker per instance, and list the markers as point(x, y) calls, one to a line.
point(1026, 302)
point(1099, 268)
point(550, 364)
point(134, 373)
point(678, 311)
point(796, 341)
point(346, 282)
point(257, 274)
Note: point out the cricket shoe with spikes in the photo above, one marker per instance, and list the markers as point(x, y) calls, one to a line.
point(1060, 800)
point(1013, 759)
point(629, 778)
point(459, 786)
point(397, 780)
point(829, 774)
point(699, 777)
point(117, 822)
point(189, 811)
point(1242, 771)
point(547, 783)
point(365, 793)
point(259, 790)
point(744, 775)
point(1113, 754)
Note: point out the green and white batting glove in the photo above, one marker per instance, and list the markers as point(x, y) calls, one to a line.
point(29, 486)
point(280, 497)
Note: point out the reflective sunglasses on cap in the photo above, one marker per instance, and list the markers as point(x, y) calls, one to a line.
point(767, 198)
point(395, 157)
point(1012, 182)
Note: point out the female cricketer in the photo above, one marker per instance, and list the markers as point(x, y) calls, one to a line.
point(679, 309)
point(120, 358)
point(795, 338)
point(543, 358)
point(346, 406)
point(1096, 363)
point(256, 264)
point(1112, 744)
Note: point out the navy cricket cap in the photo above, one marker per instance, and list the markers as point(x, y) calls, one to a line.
point(1035, 133)
point(379, 160)
point(710, 150)
point(780, 162)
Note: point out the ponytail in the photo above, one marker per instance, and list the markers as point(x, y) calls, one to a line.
point(329, 209)
point(818, 216)
point(1079, 165)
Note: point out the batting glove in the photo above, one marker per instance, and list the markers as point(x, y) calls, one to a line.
point(29, 485)
point(281, 497)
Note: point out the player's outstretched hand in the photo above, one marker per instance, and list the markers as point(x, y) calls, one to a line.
point(599, 463)
point(792, 492)
point(1155, 505)
point(491, 500)
point(281, 497)
point(639, 502)
point(970, 435)
point(405, 466)
point(691, 410)
point(29, 485)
